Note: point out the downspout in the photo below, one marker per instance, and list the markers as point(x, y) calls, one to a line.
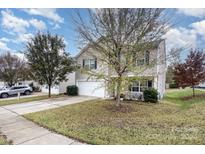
point(158, 71)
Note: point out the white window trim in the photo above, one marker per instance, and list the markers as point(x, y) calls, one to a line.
point(139, 85)
point(89, 65)
point(140, 60)
point(143, 58)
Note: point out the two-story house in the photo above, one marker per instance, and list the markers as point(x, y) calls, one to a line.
point(153, 76)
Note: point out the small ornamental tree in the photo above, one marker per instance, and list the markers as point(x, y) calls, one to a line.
point(192, 71)
point(48, 60)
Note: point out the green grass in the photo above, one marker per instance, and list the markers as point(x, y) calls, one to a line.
point(94, 123)
point(176, 96)
point(27, 99)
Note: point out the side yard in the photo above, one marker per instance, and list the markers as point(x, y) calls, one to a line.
point(183, 97)
point(178, 119)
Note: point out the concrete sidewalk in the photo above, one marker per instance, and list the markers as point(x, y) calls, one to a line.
point(23, 131)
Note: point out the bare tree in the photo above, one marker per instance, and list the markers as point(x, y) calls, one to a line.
point(174, 56)
point(120, 36)
point(12, 69)
point(173, 59)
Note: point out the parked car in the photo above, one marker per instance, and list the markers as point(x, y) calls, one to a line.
point(3, 88)
point(22, 89)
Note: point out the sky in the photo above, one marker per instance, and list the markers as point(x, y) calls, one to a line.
point(19, 25)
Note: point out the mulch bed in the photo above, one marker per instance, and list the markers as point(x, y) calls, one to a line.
point(124, 108)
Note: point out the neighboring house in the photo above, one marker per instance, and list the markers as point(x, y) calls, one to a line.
point(88, 58)
point(26, 82)
point(2, 84)
point(201, 85)
point(61, 88)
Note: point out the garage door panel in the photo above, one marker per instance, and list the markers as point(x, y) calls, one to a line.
point(91, 88)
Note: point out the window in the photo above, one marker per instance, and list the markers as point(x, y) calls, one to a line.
point(147, 53)
point(15, 88)
point(135, 86)
point(140, 86)
point(86, 63)
point(149, 83)
point(144, 59)
point(90, 63)
point(18, 87)
point(140, 62)
point(143, 85)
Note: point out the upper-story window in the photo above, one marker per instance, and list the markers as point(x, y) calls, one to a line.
point(140, 62)
point(144, 59)
point(90, 63)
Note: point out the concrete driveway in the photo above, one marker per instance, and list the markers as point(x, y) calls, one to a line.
point(23, 131)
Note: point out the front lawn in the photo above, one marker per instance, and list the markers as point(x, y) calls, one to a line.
point(26, 99)
point(95, 122)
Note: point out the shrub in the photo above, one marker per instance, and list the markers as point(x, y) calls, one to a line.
point(122, 96)
point(35, 88)
point(31, 85)
point(72, 90)
point(173, 85)
point(150, 95)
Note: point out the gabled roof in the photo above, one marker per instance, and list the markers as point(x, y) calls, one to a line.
point(156, 44)
point(82, 50)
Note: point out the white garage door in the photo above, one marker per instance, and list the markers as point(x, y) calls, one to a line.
point(90, 88)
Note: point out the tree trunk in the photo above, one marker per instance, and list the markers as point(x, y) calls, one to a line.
point(193, 91)
point(10, 83)
point(49, 91)
point(118, 90)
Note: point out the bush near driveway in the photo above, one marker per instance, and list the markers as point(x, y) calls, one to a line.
point(94, 123)
point(72, 90)
point(173, 85)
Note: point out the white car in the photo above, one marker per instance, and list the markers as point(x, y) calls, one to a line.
point(22, 89)
point(3, 88)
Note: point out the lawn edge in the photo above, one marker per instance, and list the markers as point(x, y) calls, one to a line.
point(57, 132)
point(29, 101)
